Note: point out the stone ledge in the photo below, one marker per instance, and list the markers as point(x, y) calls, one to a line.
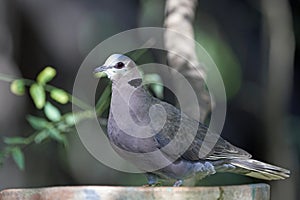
point(236, 192)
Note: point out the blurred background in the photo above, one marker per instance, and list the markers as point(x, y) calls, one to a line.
point(255, 45)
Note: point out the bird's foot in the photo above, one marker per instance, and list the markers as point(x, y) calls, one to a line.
point(152, 180)
point(178, 183)
point(210, 168)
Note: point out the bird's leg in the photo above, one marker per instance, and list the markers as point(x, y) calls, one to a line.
point(152, 179)
point(178, 183)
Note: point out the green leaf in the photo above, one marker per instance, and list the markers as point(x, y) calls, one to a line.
point(51, 112)
point(55, 134)
point(100, 75)
point(46, 75)
point(15, 140)
point(18, 157)
point(17, 87)
point(59, 95)
point(158, 90)
point(41, 136)
point(70, 119)
point(37, 123)
point(155, 84)
point(38, 95)
point(62, 126)
point(103, 101)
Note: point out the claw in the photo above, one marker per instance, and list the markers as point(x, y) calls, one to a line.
point(152, 179)
point(178, 183)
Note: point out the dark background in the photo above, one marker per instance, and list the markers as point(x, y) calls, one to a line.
point(60, 33)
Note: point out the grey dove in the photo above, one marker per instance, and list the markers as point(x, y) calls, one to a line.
point(162, 141)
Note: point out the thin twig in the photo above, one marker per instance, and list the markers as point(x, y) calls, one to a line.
point(48, 88)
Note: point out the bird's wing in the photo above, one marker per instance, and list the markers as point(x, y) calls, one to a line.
point(188, 136)
point(207, 145)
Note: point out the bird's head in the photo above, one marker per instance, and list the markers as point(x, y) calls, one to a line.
point(116, 66)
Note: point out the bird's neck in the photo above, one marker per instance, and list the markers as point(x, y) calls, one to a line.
point(134, 98)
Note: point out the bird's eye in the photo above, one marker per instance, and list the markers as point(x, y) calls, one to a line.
point(119, 65)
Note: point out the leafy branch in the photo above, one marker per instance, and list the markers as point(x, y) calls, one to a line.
point(55, 124)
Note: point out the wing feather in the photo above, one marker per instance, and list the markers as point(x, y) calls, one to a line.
point(179, 128)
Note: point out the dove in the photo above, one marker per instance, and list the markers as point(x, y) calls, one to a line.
point(164, 142)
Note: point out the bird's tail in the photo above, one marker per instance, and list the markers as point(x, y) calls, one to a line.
point(257, 169)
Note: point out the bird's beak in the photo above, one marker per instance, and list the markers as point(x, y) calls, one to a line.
point(100, 69)
point(99, 72)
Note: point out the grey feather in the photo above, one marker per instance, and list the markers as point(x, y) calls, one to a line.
point(223, 157)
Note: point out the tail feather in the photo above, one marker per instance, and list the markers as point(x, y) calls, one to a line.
point(258, 169)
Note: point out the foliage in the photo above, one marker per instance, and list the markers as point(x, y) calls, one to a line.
point(54, 125)
point(224, 58)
